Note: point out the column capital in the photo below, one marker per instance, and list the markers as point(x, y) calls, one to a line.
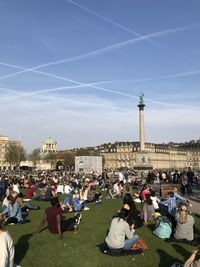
point(141, 106)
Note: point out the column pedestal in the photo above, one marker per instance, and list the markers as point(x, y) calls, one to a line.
point(142, 161)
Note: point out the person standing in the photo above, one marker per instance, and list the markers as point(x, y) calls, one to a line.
point(190, 176)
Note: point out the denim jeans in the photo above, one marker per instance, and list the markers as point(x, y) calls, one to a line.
point(130, 242)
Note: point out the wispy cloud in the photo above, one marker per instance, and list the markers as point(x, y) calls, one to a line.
point(95, 119)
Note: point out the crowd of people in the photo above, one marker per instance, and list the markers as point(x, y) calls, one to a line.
point(185, 179)
point(139, 208)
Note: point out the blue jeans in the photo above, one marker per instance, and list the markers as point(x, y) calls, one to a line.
point(130, 242)
point(189, 189)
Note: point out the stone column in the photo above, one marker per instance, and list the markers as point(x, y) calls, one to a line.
point(141, 124)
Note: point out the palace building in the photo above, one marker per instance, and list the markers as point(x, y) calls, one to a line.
point(160, 156)
point(147, 156)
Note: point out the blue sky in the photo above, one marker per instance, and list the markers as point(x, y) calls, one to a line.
point(73, 70)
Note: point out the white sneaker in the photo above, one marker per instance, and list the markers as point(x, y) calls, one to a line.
point(78, 216)
point(86, 208)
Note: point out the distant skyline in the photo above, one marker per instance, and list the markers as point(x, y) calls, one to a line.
point(73, 70)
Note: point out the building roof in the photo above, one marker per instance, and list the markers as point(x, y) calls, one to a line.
point(49, 140)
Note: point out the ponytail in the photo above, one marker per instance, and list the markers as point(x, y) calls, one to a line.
point(183, 213)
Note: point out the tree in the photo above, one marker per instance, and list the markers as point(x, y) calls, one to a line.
point(15, 154)
point(83, 152)
point(35, 156)
point(51, 158)
point(68, 159)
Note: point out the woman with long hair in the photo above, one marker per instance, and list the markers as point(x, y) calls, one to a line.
point(147, 209)
point(121, 234)
point(13, 211)
point(184, 230)
point(133, 215)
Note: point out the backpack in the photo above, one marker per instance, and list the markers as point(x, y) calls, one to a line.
point(163, 227)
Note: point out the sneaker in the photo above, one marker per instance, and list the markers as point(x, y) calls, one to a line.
point(78, 217)
point(98, 202)
point(86, 208)
point(75, 228)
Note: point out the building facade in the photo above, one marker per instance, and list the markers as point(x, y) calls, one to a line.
point(4, 144)
point(48, 146)
point(161, 156)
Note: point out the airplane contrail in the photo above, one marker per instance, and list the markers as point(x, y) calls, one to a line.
point(91, 85)
point(162, 77)
point(103, 50)
point(130, 30)
point(77, 82)
point(169, 76)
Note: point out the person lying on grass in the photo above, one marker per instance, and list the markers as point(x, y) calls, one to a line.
point(53, 218)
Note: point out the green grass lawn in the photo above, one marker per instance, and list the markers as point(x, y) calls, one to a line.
point(79, 249)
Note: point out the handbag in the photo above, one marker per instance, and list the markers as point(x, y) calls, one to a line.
point(140, 244)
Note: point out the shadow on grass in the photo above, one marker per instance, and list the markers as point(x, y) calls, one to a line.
point(151, 226)
point(181, 250)
point(21, 247)
point(197, 232)
point(165, 259)
point(197, 215)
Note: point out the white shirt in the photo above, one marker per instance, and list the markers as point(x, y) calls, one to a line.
point(15, 188)
point(68, 189)
point(119, 230)
point(7, 250)
point(5, 202)
point(60, 189)
point(155, 201)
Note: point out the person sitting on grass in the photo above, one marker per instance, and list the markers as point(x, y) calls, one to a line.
point(49, 192)
point(30, 193)
point(184, 231)
point(13, 212)
point(84, 193)
point(53, 217)
point(25, 206)
point(170, 203)
point(191, 261)
point(73, 203)
point(121, 234)
point(133, 215)
point(93, 196)
point(7, 249)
